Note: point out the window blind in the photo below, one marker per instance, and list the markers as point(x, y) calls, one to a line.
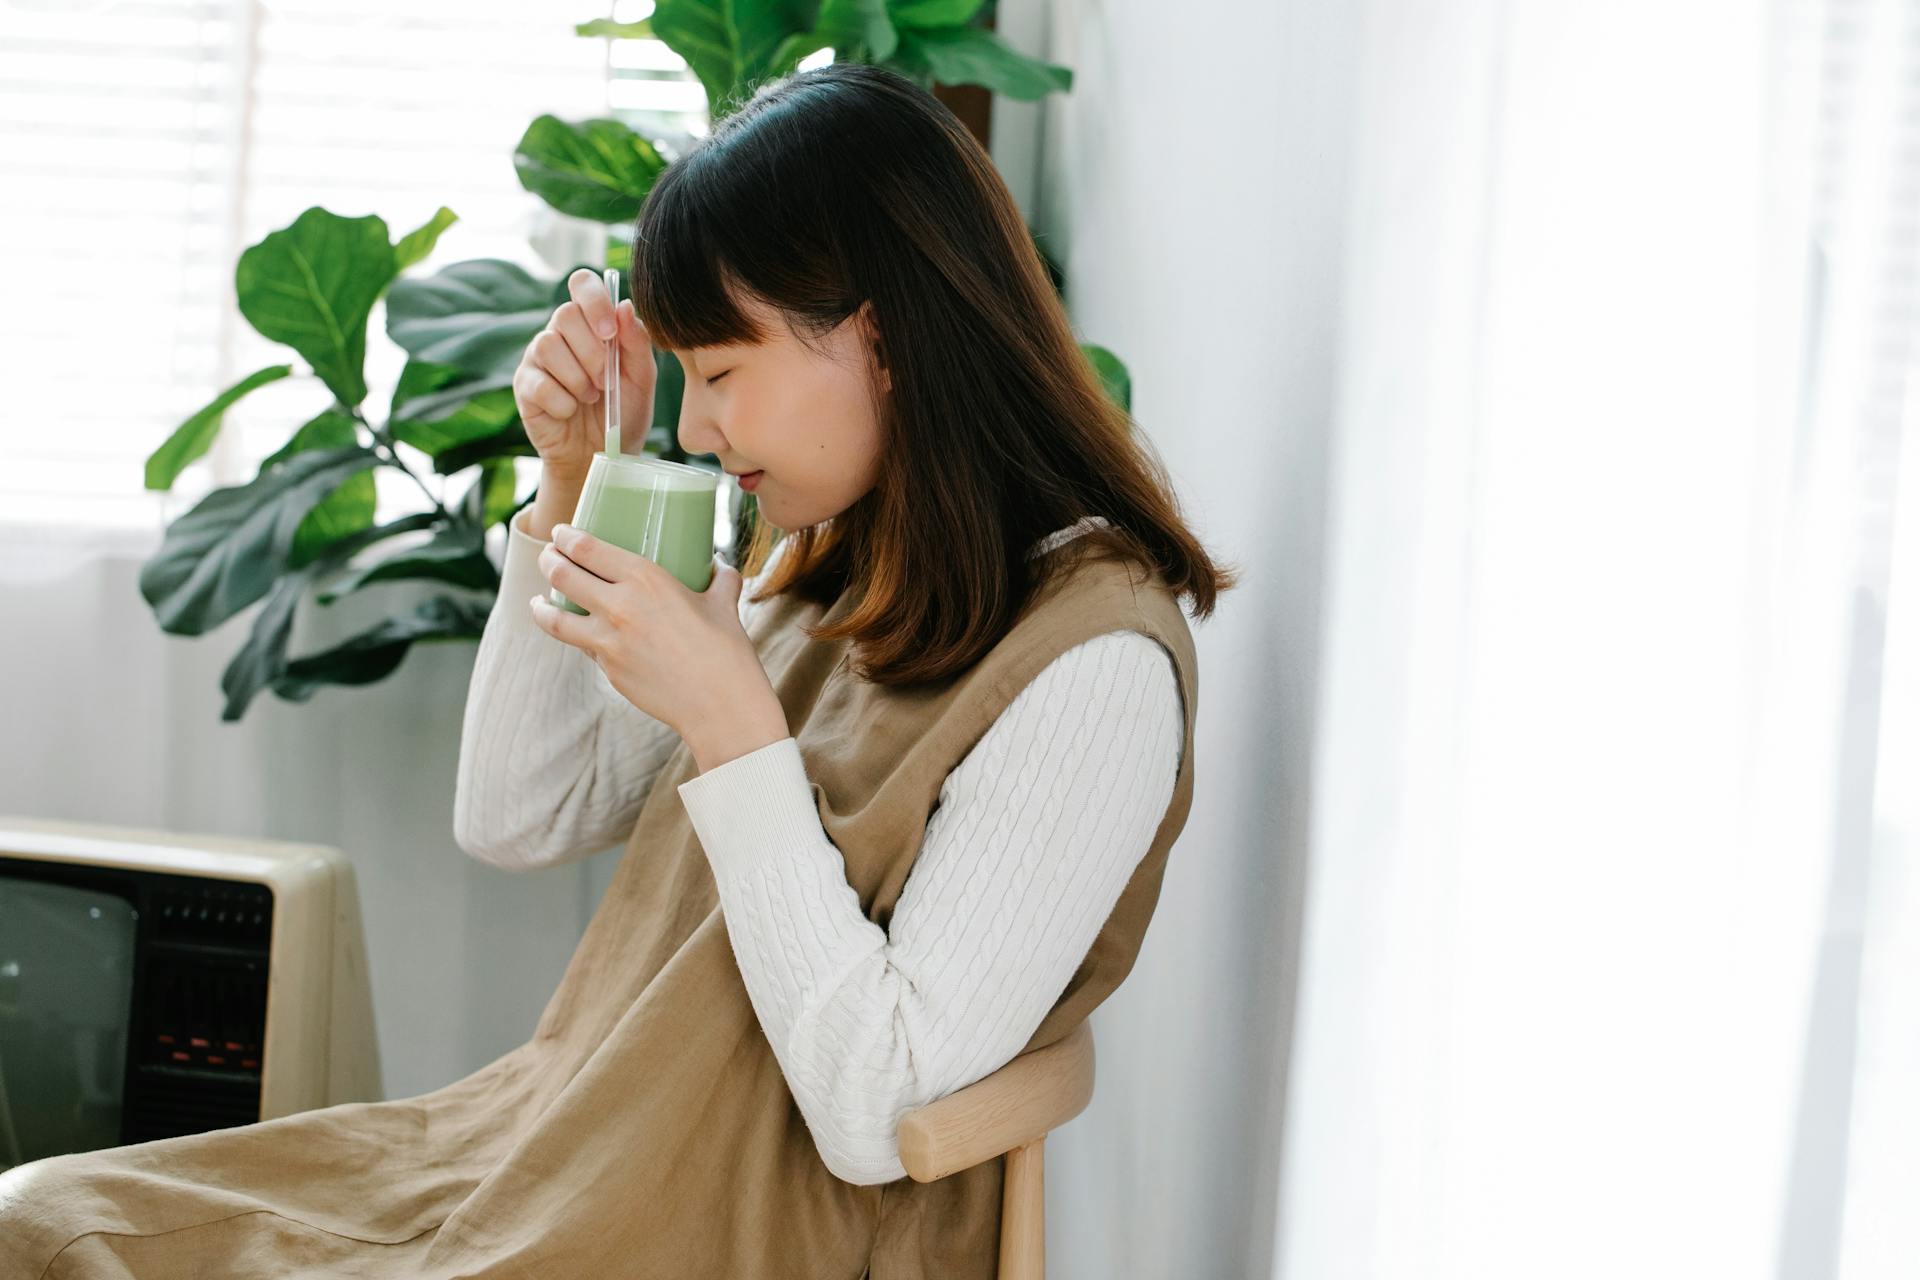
point(146, 143)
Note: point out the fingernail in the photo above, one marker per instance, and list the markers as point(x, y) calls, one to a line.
point(606, 328)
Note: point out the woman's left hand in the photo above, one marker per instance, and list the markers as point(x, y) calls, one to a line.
point(679, 655)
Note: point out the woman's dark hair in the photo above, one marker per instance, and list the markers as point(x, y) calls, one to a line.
point(850, 184)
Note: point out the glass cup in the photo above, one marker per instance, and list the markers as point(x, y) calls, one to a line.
point(661, 510)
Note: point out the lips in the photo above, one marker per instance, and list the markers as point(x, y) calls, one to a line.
point(750, 480)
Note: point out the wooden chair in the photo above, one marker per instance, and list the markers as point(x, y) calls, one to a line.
point(1008, 1113)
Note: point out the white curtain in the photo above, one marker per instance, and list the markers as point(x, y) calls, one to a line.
point(1608, 762)
point(1608, 926)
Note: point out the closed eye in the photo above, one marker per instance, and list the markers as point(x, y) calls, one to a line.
point(716, 377)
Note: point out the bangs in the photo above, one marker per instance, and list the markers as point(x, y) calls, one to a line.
point(682, 289)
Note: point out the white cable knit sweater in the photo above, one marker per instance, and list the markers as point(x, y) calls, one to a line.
point(1037, 831)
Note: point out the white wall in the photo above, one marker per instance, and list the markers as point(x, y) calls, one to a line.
point(1193, 184)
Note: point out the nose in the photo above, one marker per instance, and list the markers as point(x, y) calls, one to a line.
point(695, 438)
point(696, 431)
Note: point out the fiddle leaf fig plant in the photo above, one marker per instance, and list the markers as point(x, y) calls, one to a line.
point(306, 521)
point(309, 509)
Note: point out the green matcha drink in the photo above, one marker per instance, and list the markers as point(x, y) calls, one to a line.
point(661, 510)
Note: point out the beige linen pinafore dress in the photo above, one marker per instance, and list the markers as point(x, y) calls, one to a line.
point(645, 1130)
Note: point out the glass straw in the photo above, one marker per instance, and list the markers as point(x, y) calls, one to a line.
point(613, 365)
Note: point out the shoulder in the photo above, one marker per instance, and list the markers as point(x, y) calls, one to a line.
point(1125, 660)
point(1122, 676)
point(1093, 601)
point(1113, 698)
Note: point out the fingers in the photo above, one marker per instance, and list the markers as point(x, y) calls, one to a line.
point(565, 363)
point(602, 560)
point(590, 293)
point(562, 624)
point(574, 580)
point(553, 355)
point(535, 386)
point(589, 352)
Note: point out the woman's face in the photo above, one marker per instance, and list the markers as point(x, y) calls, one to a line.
point(806, 419)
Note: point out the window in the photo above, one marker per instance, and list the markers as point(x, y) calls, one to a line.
point(148, 142)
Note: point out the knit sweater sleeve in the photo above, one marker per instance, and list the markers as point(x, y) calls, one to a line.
point(555, 763)
point(1036, 834)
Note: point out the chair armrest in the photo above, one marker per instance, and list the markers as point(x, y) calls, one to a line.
point(1020, 1103)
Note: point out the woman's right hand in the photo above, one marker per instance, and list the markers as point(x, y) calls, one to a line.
point(562, 376)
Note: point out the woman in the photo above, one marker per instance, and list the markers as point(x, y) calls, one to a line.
point(895, 813)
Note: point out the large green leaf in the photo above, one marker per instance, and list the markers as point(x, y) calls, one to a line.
point(225, 553)
point(974, 55)
point(491, 497)
point(312, 285)
point(331, 428)
point(454, 554)
point(262, 659)
point(477, 315)
point(932, 13)
point(793, 50)
point(195, 436)
point(374, 653)
point(419, 242)
point(427, 392)
point(730, 44)
point(1113, 375)
point(264, 654)
point(348, 509)
point(861, 28)
point(597, 169)
point(452, 424)
point(669, 386)
point(512, 442)
point(856, 31)
point(910, 62)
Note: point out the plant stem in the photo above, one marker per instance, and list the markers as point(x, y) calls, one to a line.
point(383, 439)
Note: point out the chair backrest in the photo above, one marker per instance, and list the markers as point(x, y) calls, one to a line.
point(1007, 1113)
